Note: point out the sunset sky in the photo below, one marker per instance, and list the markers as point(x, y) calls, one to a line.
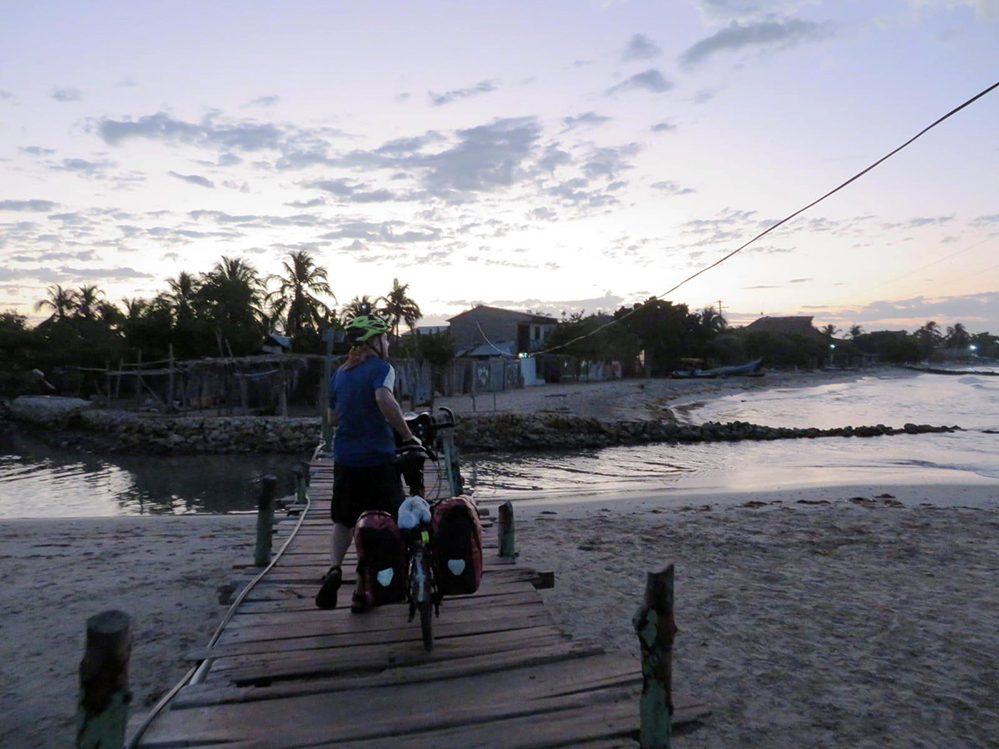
point(551, 155)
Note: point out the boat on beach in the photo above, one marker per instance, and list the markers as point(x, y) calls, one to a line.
point(749, 369)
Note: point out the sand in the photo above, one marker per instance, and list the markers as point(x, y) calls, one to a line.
point(849, 623)
point(54, 574)
point(639, 398)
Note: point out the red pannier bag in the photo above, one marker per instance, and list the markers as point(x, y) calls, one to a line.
point(457, 535)
point(381, 557)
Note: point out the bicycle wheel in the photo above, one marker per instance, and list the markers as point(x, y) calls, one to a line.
point(427, 625)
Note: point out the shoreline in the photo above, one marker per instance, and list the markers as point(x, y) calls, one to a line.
point(788, 602)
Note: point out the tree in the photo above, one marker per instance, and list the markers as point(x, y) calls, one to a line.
point(230, 295)
point(87, 298)
point(855, 332)
point(183, 295)
point(61, 301)
point(359, 305)
point(667, 332)
point(829, 330)
point(398, 306)
point(929, 338)
point(294, 302)
point(958, 337)
point(711, 322)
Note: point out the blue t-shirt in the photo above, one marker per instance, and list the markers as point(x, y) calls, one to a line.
point(363, 437)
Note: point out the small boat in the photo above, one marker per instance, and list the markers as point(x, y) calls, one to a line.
point(750, 369)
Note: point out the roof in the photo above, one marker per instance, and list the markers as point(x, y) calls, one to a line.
point(499, 348)
point(801, 324)
point(281, 340)
point(427, 330)
point(512, 314)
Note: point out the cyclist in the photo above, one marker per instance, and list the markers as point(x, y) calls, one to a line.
point(365, 477)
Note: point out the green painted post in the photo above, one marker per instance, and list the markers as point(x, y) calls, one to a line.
point(452, 466)
point(104, 696)
point(303, 477)
point(656, 629)
point(265, 521)
point(507, 546)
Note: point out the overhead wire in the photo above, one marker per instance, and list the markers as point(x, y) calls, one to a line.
point(784, 220)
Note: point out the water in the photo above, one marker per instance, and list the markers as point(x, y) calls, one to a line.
point(37, 481)
point(969, 458)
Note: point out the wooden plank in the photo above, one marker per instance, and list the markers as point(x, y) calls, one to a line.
point(248, 611)
point(277, 592)
point(443, 630)
point(484, 665)
point(370, 658)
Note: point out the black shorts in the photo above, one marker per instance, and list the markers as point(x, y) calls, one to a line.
point(370, 488)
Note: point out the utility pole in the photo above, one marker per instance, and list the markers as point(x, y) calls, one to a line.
point(720, 308)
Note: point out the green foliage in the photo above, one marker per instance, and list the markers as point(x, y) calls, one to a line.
point(397, 306)
point(893, 346)
point(436, 348)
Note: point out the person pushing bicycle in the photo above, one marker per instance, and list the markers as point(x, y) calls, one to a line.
point(365, 477)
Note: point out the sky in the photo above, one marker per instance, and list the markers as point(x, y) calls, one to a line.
point(555, 156)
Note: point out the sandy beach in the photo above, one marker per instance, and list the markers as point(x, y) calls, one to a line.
point(54, 574)
point(640, 398)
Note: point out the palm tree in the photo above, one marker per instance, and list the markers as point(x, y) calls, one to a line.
point(958, 336)
point(183, 290)
point(61, 301)
point(294, 299)
point(928, 336)
point(855, 332)
point(829, 330)
point(398, 306)
point(87, 298)
point(359, 305)
point(231, 295)
point(711, 321)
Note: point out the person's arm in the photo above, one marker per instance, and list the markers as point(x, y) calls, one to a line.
point(331, 417)
point(390, 409)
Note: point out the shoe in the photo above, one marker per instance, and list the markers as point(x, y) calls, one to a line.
point(361, 601)
point(326, 597)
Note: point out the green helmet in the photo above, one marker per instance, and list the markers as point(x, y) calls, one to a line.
point(365, 327)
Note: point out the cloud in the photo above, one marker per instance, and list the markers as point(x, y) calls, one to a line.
point(985, 10)
point(126, 82)
point(5, 95)
point(482, 87)
point(194, 179)
point(586, 119)
point(554, 157)
point(609, 162)
point(241, 136)
point(764, 34)
point(648, 80)
point(384, 233)
point(355, 193)
point(401, 146)
point(84, 167)
point(992, 220)
point(66, 273)
point(977, 310)
point(36, 151)
point(663, 127)
point(263, 101)
point(640, 47)
point(47, 257)
point(66, 94)
point(314, 203)
point(36, 206)
point(250, 220)
point(800, 280)
point(672, 188)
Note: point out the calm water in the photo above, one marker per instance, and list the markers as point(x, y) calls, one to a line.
point(970, 457)
point(37, 481)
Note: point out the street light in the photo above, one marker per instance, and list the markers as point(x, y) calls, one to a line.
point(832, 345)
point(973, 347)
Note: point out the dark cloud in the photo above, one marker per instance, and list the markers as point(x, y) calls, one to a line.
point(543, 214)
point(591, 119)
point(194, 179)
point(800, 280)
point(347, 191)
point(314, 203)
point(704, 95)
point(992, 220)
point(640, 47)
point(768, 34)
point(554, 157)
point(403, 96)
point(263, 101)
point(126, 82)
point(86, 256)
point(5, 95)
point(37, 151)
point(69, 219)
point(482, 87)
point(756, 288)
point(979, 311)
point(648, 80)
point(672, 188)
point(65, 93)
point(251, 220)
point(663, 127)
point(576, 192)
point(36, 206)
point(401, 146)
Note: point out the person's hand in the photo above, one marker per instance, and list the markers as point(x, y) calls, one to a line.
point(412, 441)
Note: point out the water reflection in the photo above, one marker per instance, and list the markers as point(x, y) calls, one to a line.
point(40, 481)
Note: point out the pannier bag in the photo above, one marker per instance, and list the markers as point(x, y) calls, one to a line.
point(457, 536)
point(381, 557)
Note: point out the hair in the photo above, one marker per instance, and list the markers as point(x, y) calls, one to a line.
point(359, 353)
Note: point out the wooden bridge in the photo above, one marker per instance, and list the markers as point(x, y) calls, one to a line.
point(502, 674)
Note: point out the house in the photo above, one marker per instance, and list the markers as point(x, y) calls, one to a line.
point(797, 325)
point(427, 330)
point(496, 330)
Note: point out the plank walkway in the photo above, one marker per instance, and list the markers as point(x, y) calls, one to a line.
point(502, 674)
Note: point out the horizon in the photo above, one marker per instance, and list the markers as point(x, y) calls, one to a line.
point(576, 155)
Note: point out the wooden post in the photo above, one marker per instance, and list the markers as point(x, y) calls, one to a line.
point(104, 695)
point(283, 395)
point(170, 380)
point(302, 479)
point(107, 368)
point(265, 521)
point(244, 393)
point(507, 546)
point(138, 380)
point(656, 629)
point(117, 384)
